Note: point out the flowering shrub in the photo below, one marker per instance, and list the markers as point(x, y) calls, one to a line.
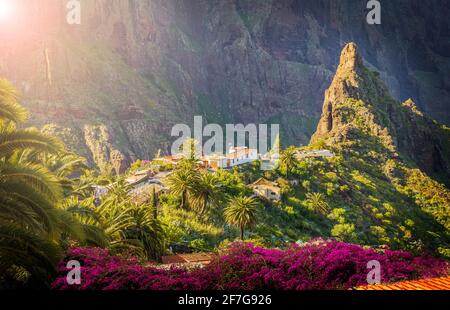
point(315, 265)
point(102, 271)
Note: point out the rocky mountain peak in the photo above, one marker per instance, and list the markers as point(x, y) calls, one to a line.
point(358, 108)
point(350, 59)
point(349, 83)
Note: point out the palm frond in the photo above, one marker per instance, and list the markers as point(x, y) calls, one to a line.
point(36, 176)
point(10, 109)
point(30, 138)
point(27, 209)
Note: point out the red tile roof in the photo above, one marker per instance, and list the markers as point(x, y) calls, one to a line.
point(202, 258)
point(266, 183)
point(422, 285)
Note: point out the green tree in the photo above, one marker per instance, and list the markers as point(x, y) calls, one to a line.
point(183, 180)
point(344, 232)
point(285, 188)
point(206, 193)
point(241, 212)
point(146, 230)
point(136, 165)
point(317, 202)
point(288, 160)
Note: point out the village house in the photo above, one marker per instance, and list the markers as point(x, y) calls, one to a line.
point(152, 183)
point(141, 183)
point(319, 153)
point(146, 178)
point(265, 188)
point(236, 156)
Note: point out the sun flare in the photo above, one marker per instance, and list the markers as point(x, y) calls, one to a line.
point(6, 9)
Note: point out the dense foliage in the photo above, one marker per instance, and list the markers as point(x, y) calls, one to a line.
point(119, 223)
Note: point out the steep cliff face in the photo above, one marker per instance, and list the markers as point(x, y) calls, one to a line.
point(137, 67)
point(358, 110)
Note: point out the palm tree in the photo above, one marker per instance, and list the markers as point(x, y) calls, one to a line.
point(112, 214)
point(85, 213)
point(183, 180)
point(31, 227)
point(28, 193)
point(288, 160)
point(317, 202)
point(147, 231)
point(206, 193)
point(241, 212)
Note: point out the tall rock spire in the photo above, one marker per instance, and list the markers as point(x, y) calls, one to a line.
point(358, 107)
point(350, 59)
point(346, 84)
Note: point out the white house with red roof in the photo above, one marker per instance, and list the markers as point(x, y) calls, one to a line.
point(236, 156)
